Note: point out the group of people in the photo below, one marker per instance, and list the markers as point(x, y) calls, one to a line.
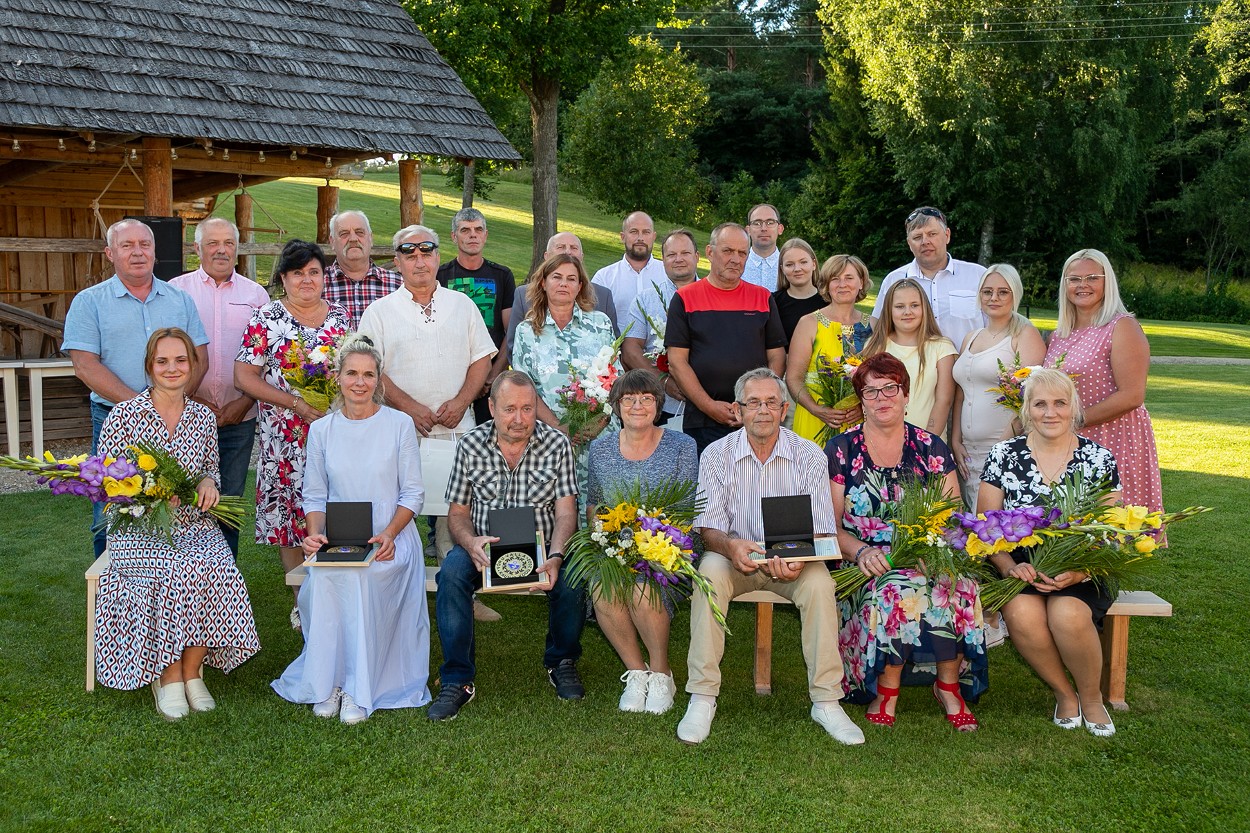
point(457, 357)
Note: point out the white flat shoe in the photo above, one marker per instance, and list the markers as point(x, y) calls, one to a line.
point(835, 721)
point(198, 697)
point(330, 706)
point(1100, 730)
point(171, 700)
point(1068, 722)
point(697, 724)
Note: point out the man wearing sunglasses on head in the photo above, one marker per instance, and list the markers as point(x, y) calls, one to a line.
point(951, 285)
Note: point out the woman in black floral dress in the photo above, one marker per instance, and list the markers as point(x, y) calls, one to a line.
point(1054, 622)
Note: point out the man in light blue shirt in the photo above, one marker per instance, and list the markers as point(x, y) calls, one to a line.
point(764, 226)
point(108, 326)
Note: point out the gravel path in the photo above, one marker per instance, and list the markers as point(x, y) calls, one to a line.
point(16, 481)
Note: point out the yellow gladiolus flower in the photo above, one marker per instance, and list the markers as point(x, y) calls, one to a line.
point(127, 487)
point(618, 516)
point(1128, 518)
point(146, 462)
point(1145, 544)
point(659, 549)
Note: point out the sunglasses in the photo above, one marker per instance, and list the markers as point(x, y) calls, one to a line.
point(926, 212)
point(425, 247)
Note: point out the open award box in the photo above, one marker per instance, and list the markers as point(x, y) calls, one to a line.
point(789, 531)
point(349, 526)
point(519, 552)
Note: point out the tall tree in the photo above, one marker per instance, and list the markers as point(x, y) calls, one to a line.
point(1033, 122)
point(544, 48)
point(629, 140)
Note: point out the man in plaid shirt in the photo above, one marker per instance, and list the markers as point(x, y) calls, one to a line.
point(354, 280)
point(511, 460)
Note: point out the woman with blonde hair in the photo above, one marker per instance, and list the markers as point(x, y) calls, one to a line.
point(1104, 346)
point(908, 331)
point(800, 288)
point(1007, 338)
point(833, 332)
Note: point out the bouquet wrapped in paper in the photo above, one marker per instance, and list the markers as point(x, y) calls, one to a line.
point(830, 385)
point(140, 491)
point(584, 400)
point(642, 534)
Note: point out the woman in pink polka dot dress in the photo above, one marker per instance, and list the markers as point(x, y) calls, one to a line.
point(1105, 345)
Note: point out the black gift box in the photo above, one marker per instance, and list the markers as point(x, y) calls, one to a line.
point(519, 552)
point(789, 531)
point(349, 526)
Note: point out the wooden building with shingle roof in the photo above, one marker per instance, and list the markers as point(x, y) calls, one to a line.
point(111, 108)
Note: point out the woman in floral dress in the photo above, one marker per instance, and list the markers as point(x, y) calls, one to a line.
point(299, 317)
point(169, 606)
point(899, 617)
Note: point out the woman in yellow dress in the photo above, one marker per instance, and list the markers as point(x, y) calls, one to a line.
point(835, 331)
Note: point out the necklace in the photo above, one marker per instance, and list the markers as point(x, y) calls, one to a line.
point(1054, 473)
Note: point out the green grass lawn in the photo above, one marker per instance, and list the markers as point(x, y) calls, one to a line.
point(518, 759)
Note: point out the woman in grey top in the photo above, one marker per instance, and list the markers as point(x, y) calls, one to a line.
point(641, 452)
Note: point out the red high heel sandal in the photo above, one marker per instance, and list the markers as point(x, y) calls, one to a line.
point(881, 718)
point(963, 720)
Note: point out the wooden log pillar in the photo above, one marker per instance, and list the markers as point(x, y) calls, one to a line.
point(470, 173)
point(243, 219)
point(411, 205)
point(158, 178)
point(327, 207)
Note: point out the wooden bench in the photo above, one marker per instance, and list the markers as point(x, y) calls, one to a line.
point(1114, 638)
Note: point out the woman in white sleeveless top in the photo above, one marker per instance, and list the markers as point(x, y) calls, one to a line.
point(981, 421)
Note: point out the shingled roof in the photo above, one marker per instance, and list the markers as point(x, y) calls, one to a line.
point(331, 74)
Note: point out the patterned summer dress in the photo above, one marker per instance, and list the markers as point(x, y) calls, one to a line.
point(156, 599)
point(832, 340)
point(1130, 437)
point(283, 435)
point(900, 618)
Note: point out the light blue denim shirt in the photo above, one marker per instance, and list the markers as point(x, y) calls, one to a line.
point(107, 320)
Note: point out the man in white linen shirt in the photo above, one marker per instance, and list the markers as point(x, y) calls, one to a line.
point(636, 270)
point(951, 284)
point(436, 350)
point(225, 300)
point(762, 459)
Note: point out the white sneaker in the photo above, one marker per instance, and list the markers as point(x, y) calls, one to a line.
point(198, 697)
point(660, 692)
point(840, 727)
point(634, 697)
point(171, 700)
point(349, 712)
point(995, 632)
point(697, 724)
point(330, 706)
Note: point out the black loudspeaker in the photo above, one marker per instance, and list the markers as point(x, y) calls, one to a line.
point(168, 234)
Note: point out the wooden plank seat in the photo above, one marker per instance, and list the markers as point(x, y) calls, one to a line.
point(1114, 637)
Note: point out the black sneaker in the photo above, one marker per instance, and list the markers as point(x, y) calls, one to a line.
point(566, 680)
point(451, 699)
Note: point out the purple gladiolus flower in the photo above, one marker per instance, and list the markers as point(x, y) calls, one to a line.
point(1016, 527)
point(92, 471)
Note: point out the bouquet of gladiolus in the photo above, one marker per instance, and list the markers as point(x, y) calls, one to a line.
point(584, 400)
point(139, 491)
point(1010, 387)
point(312, 371)
point(1073, 530)
point(830, 385)
point(642, 532)
point(659, 354)
point(918, 525)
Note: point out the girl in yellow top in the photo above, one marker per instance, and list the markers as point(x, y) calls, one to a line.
point(835, 331)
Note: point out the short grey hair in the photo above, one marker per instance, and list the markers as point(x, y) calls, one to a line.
point(409, 231)
point(758, 373)
point(199, 229)
point(111, 234)
point(519, 378)
point(334, 221)
point(716, 232)
point(467, 215)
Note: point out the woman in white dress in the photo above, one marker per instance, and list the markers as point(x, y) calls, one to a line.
point(980, 421)
point(366, 630)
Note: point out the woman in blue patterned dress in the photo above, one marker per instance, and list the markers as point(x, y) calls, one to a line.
point(899, 617)
point(168, 608)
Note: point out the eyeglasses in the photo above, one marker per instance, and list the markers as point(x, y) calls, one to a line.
point(927, 212)
point(991, 294)
point(888, 391)
point(1080, 279)
point(425, 247)
point(762, 223)
point(756, 404)
point(645, 400)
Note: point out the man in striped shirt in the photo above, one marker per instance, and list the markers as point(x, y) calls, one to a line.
point(763, 459)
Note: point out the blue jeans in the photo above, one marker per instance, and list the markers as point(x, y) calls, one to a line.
point(99, 413)
point(234, 443)
point(453, 610)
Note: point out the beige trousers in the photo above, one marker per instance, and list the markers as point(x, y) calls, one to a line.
point(813, 593)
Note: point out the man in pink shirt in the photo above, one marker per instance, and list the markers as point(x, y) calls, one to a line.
point(225, 300)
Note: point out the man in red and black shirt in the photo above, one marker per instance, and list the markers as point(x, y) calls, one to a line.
point(718, 329)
